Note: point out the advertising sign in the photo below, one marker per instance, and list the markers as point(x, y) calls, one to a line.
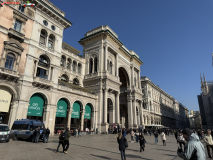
point(5, 99)
point(61, 108)
point(36, 105)
point(75, 110)
point(87, 114)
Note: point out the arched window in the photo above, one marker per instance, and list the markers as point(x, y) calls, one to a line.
point(75, 81)
point(63, 60)
point(43, 37)
point(74, 64)
point(64, 78)
point(9, 63)
point(110, 67)
point(90, 65)
point(43, 67)
point(79, 68)
point(51, 40)
point(69, 63)
point(96, 64)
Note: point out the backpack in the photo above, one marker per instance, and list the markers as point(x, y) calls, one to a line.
point(64, 135)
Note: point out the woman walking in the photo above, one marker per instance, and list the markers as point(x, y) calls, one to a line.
point(132, 136)
point(163, 137)
point(61, 142)
point(136, 136)
point(141, 141)
point(121, 141)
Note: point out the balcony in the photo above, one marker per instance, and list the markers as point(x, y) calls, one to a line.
point(9, 74)
point(42, 82)
point(16, 35)
point(91, 75)
point(42, 45)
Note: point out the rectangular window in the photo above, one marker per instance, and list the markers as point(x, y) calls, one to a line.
point(17, 26)
point(42, 73)
point(9, 63)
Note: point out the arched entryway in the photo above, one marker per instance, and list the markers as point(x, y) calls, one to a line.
point(77, 109)
point(61, 119)
point(109, 111)
point(36, 106)
point(88, 116)
point(124, 79)
point(6, 96)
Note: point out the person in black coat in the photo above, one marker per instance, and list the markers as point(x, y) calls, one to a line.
point(47, 134)
point(121, 141)
point(142, 141)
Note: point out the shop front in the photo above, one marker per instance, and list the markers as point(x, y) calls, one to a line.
point(75, 116)
point(5, 101)
point(61, 116)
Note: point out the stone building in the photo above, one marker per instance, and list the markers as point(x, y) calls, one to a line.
point(205, 101)
point(160, 108)
point(195, 120)
point(42, 77)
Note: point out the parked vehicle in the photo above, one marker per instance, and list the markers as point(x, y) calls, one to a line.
point(4, 133)
point(23, 129)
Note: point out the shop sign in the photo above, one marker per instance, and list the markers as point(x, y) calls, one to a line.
point(75, 110)
point(61, 108)
point(5, 99)
point(36, 105)
point(87, 114)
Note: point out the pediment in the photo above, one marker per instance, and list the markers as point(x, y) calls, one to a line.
point(13, 44)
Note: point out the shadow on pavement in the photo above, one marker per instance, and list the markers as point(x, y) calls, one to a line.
point(103, 157)
point(50, 149)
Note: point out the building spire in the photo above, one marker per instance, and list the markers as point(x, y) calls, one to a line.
point(204, 78)
point(201, 78)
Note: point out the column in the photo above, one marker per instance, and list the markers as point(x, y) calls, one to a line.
point(134, 112)
point(138, 116)
point(46, 116)
point(117, 115)
point(69, 118)
point(132, 76)
point(65, 63)
point(105, 58)
point(82, 120)
point(101, 62)
point(13, 110)
point(35, 69)
point(141, 110)
point(49, 73)
point(92, 121)
point(50, 119)
point(93, 65)
point(116, 64)
point(130, 116)
point(113, 114)
point(139, 80)
point(88, 66)
point(100, 111)
point(105, 105)
point(47, 38)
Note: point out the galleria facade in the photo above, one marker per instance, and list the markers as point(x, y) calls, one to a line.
point(42, 77)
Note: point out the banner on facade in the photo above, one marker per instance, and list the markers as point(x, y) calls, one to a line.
point(36, 105)
point(61, 108)
point(87, 114)
point(76, 110)
point(5, 99)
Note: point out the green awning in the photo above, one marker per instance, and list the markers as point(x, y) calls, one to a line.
point(36, 105)
point(76, 110)
point(61, 108)
point(87, 114)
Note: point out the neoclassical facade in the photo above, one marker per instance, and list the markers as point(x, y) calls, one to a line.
point(42, 77)
point(160, 108)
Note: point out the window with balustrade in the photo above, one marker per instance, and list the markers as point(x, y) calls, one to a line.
point(63, 60)
point(51, 41)
point(79, 68)
point(43, 67)
point(75, 81)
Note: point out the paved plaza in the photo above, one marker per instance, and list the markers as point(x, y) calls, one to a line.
point(99, 147)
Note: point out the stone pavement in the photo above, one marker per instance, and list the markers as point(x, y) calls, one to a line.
point(98, 147)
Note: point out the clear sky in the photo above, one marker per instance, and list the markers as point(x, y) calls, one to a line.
point(174, 38)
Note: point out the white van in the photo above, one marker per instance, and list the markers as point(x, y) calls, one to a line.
point(4, 133)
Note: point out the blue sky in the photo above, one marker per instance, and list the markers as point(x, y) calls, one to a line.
point(174, 38)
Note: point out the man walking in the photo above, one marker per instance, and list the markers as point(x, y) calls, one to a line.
point(47, 134)
point(37, 134)
point(156, 137)
point(66, 136)
point(44, 135)
point(194, 149)
point(79, 132)
point(209, 142)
